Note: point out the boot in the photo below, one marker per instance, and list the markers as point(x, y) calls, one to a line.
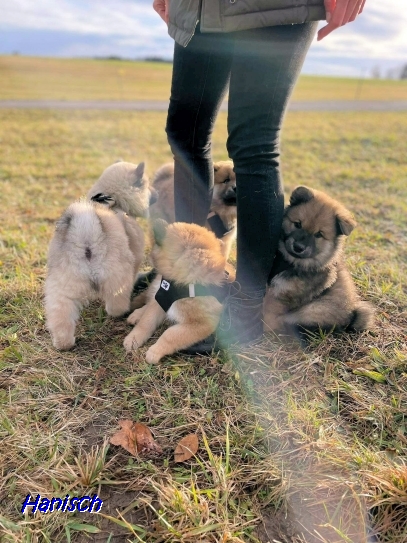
point(241, 322)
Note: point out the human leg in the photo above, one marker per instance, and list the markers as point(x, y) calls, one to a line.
point(266, 64)
point(199, 82)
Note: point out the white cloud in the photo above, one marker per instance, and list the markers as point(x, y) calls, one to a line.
point(378, 35)
point(110, 17)
point(132, 28)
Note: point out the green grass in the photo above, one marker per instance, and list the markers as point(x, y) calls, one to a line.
point(291, 442)
point(34, 78)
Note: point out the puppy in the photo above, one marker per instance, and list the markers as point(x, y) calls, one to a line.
point(310, 287)
point(188, 259)
point(96, 252)
point(124, 186)
point(222, 215)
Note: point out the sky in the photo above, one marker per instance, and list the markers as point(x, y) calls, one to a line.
point(376, 41)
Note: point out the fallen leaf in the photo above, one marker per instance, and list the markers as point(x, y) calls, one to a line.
point(186, 448)
point(136, 438)
point(144, 439)
point(125, 437)
point(100, 373)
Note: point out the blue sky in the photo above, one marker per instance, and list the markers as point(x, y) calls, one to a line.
point(131, 29)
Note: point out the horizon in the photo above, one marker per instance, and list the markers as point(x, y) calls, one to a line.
point(162, 60)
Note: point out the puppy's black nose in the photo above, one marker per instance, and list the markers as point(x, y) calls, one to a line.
point(234, 188)
point(298, 247)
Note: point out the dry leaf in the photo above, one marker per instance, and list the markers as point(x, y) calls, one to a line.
point(100, 373)
point(136, 438)
point(186, 448)
point(144, 439)
point(125, 437)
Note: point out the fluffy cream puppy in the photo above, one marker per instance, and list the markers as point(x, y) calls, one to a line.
point(96, 251)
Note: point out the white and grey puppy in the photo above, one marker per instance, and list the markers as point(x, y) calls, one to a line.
point(123, 186)
point(96, 250)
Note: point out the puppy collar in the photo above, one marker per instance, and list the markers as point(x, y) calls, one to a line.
point(169, 292)
point(217, 226)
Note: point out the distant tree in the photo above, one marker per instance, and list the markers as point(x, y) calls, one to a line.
point(403, 74)
point(156, 59)
point(376, 72)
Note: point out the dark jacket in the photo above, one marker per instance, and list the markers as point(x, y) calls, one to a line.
point(232, 15)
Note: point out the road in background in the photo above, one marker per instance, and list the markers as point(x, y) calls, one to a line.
point(162, 105)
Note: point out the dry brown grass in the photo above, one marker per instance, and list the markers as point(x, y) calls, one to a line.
point(36, 78)
point(294, 445)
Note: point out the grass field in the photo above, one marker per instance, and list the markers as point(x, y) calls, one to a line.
point(31, 78)
point(291, 442)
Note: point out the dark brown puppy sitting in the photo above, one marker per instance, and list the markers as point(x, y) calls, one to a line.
point(310, 287)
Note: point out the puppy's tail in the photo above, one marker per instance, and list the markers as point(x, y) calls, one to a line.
point(81, 229)
point(362, 318)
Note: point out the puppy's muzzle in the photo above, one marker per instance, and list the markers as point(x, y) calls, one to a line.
point(298, 249)
point(229, 199)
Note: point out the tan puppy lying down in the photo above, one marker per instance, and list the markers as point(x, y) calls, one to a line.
point(187, 258)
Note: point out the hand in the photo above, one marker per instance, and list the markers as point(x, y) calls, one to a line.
point(339, 13)
point(161, 7)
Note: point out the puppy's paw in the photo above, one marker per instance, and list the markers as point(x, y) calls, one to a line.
point(63, 343)
point(130, 343)
point(153, 356)
point(135, 316)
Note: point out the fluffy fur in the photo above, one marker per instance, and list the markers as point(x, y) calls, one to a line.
point(126, 187)
point(223, 199)
point(184, 253)
point(96, 252)
point(314, 290)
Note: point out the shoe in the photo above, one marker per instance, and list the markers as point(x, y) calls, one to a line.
point(241, 322)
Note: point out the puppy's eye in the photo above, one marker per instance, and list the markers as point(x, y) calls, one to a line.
point(318, 234)
point(226, 180)
point(297, 224)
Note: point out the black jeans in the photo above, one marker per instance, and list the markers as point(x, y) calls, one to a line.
point(260, 67)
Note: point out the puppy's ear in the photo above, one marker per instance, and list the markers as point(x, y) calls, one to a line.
point(160, 231)
point(64, 222)
point(301, 195)
point(345, 223)
point(138, 175)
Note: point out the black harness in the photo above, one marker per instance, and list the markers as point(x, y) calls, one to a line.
point(169, 292)
point(217, 226)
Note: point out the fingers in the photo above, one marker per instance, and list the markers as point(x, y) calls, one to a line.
point(166, 14)
point(329, 8)
point(356, 11)
point(344, 12)
point(161, 7)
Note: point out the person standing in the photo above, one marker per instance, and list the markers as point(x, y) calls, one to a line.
point(256, 50)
